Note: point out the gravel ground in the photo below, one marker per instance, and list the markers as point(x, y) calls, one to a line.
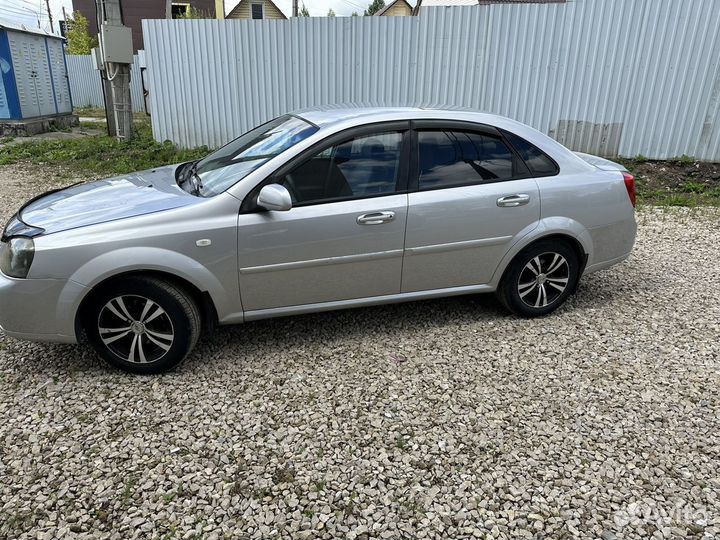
point(433, 419)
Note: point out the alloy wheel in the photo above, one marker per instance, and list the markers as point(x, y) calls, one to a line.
point(543, 279)
point(135, 329)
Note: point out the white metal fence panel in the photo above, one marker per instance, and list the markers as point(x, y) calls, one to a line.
point(86, 85)
point(614, 77)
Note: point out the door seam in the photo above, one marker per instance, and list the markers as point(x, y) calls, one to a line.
point(404, 252)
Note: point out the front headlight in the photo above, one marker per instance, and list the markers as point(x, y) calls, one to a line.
point(16, 256)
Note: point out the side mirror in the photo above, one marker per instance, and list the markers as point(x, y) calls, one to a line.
point(274, 197)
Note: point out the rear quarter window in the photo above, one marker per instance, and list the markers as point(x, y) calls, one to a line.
point(539, 163)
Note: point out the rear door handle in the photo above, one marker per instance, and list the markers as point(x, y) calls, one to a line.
point(519, 199)
point(375, 218)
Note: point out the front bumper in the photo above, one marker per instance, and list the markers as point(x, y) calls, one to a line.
point(40, 309)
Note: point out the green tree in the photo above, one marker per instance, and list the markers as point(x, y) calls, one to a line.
point(354, 14)
point(194, 13)
point(78, 36)
point(331, 13)
point(374, 7)
point(304, 11)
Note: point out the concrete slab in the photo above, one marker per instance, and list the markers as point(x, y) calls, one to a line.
point(35, 126)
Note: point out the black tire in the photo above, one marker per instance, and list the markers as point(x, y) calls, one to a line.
point(527, 292)
point(163, 319)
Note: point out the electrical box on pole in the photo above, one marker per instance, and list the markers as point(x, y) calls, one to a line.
point(117, 44)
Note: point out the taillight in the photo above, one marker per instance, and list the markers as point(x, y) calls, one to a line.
point(630, 186)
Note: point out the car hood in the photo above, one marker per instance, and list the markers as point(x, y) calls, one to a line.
point(106, 200)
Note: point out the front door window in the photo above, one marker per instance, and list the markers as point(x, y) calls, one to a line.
point(361, 167)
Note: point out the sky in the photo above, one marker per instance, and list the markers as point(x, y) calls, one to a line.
point(28, 12)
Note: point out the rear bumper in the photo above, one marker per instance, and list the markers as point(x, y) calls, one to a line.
point(39, 309)
point(605, 264)
point(611, 244)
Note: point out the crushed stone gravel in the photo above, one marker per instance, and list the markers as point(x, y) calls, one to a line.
point(435, 419)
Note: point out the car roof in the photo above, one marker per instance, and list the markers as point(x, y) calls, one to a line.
point(329, 115)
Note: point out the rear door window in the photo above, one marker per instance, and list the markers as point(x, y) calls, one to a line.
point(449, 158)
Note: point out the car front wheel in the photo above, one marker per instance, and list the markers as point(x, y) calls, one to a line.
point(540, 278)
point(142, 324)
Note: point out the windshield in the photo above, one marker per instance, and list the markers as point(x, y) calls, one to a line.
point(237, 159)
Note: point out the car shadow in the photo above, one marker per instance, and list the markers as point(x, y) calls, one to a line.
point(284, 334)
point(372, 321)
point(377, 323)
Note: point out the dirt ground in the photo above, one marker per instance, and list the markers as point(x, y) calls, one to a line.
point(676, 181)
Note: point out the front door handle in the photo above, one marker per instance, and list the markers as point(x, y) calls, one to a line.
point(519, 199)
point(375, 218)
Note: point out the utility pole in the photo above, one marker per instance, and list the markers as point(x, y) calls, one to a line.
point(295, 8)
point(47, 5)
point(116, 54)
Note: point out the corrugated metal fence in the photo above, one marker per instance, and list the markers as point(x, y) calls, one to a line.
point(609, 77)
point(86, 86)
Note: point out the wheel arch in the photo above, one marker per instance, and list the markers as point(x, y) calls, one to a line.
point(202, 298)
point(570, 231)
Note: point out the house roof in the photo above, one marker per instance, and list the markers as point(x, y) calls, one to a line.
point(241, 1)
point(391, 4)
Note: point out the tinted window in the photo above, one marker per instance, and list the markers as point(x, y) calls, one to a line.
point(360, 167)
point(455, 158)
point(237, 159)
point(257, 11)
point(537, 160)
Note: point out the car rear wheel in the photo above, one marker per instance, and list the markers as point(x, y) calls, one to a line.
point(540, 278)
point(142, 325)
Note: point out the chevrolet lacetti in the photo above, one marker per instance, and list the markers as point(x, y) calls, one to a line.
point(324, 209)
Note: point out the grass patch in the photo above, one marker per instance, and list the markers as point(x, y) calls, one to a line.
point(101, 155)
point(128, 491)
point(693, 187)
point(99, 112)
point(682, 160)
point(169, 497)
point(94, 125)
point(679, 181)
point(96, 112)
point(681, 196)
point(319, 485)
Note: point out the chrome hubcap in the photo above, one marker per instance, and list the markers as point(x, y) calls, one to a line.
point(543, 279)
point(135, 329)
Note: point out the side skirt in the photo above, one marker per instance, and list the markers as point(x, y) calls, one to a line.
point(364, 302)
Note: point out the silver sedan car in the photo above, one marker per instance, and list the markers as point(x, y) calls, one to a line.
point(319, 210)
